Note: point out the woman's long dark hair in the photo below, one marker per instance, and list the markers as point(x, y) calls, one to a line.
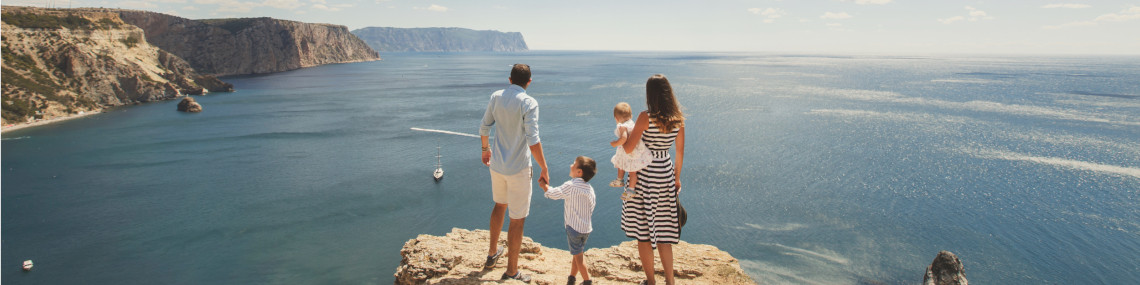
point(663, 107)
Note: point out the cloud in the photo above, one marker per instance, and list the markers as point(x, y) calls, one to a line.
point(190, 8)
point(837, 16)
point(434, 8)
point(951, 19)
point(138, 4)
point(283, 4)
point(976, 14)
point(973, 16)
point(1129, 14)
point(234, 6)
point(1067, 6)
point(1126, 15)
point(321, 5)
point(770, 14)
point(1070, 25)
point(869, 2)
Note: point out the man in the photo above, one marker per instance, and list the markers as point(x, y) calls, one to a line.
point(515, 117)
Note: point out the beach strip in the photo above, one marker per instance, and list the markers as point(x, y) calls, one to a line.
point(17, 126)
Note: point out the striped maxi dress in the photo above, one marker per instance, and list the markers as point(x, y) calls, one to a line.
point(652, 216)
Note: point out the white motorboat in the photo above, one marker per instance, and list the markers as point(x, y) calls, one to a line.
point(28, 265)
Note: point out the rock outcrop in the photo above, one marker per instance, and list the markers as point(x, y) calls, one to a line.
point(189, 105)
point(60, 62)
point(440, 39)
point(458, 257)
point(945, 270)
point(250, 45)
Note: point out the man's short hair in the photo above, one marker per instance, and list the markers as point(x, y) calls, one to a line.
point(588, 167)
point(520, 74)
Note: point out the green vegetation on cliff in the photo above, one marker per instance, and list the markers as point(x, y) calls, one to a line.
point(53, 22)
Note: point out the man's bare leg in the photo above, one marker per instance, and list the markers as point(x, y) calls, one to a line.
point(514, 244)
point(497, 215)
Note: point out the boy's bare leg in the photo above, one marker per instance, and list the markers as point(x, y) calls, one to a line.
point(574, 266)
point(580, 264)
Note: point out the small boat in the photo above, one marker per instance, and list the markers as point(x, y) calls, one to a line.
point(438, 174)
point(28, 265)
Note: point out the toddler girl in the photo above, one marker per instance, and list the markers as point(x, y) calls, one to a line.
point(627, 162)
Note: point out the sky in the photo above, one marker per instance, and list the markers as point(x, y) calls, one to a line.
point(807, 26)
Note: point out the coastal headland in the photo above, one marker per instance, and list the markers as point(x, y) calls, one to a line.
point(61, 63)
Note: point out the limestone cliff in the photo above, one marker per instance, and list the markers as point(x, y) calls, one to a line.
point(59, 62)
point(250, 45)
point(458, 257)
point(440, 39)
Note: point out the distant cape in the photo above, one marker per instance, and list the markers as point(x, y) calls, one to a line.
point(384, 39)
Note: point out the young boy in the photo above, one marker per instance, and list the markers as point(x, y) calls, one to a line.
point(579, 207)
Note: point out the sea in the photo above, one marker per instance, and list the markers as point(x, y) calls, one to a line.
point(807, 168)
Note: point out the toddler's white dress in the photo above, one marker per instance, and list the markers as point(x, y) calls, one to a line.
point(630, 162)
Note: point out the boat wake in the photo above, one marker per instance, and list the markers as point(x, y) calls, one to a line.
point(445, 132)
point(16, 138)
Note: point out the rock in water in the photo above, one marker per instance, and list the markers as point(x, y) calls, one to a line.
point(945, 270)
point(188, 105)
point(458, 257)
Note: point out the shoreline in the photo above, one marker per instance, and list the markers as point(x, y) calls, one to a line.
point(13, 127)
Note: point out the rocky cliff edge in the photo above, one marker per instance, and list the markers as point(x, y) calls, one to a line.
point(457, 258)
point(63, 62)
point(250, 45)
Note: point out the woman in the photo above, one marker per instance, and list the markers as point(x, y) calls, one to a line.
point(651, 216)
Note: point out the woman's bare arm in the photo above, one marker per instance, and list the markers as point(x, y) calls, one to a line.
point(680, 159)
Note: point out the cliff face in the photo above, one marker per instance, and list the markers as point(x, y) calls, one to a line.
point(440, 39)
point(250, 45)
point(60, 62)
point(458, 259)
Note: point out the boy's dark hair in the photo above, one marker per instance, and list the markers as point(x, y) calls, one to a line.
point(520, 74)
point(588, 167)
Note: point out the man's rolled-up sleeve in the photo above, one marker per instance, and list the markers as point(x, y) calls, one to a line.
point(530, 122)
point(488, 120)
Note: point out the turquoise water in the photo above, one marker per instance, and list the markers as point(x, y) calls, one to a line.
point(809, 169)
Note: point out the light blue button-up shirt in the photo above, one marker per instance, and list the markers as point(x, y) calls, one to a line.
point(516, 115)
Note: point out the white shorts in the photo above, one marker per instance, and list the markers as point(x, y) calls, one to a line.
point(514, 191)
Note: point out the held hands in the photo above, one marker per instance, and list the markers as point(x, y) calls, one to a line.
point(543, 178)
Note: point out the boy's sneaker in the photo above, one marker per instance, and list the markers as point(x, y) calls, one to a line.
point(570, 281)
point(518, 276)
point(617, 183)
point(588, 282)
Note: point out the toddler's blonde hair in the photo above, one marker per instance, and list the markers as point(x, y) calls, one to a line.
point(622, 110)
